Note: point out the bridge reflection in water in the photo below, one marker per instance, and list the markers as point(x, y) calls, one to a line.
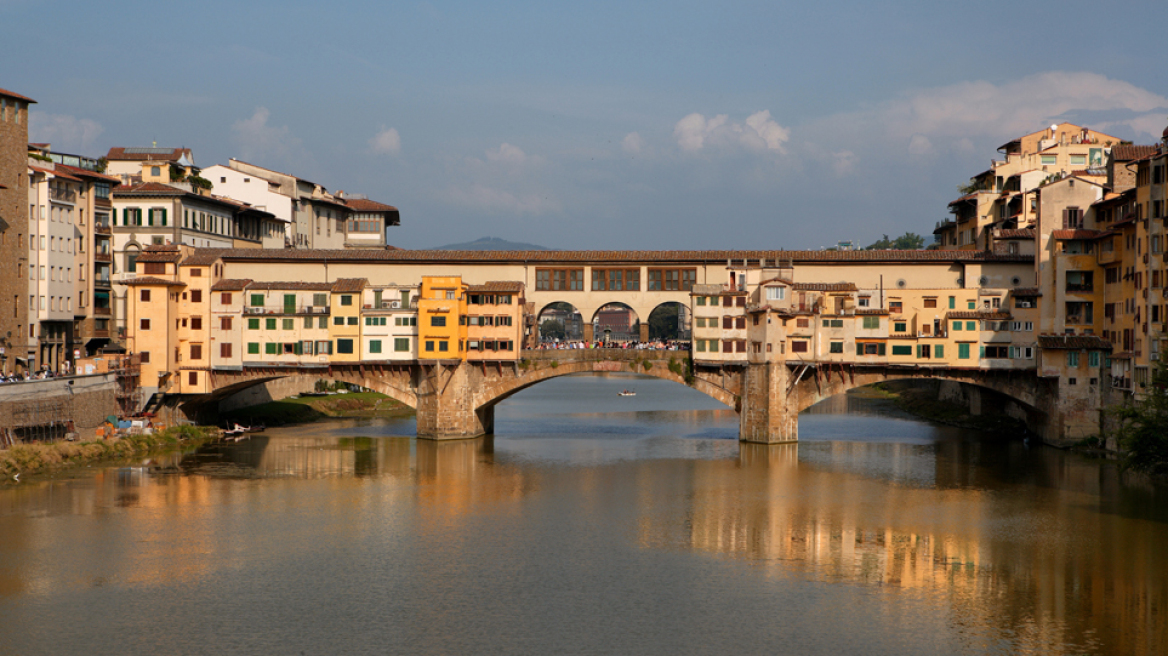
point(1043, 559)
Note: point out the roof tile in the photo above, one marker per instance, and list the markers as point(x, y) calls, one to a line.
point(1073, 342)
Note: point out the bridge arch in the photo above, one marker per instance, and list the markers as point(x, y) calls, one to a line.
point(670, 320)
point(568, 317)
point(616, 322)
point(545, 365)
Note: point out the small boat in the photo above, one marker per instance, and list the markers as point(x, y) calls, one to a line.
point(626, 393)
point(256, 428)
point(235, 433)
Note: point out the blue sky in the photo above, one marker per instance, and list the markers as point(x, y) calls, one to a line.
point(664, 125)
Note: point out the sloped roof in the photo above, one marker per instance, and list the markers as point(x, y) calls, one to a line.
point(1078, 234)
point(1025, 233)
point(1129, 152)
point(365, 205)
point(231, 285)
point(825, 286)
point(1073, 342)
point(149, 189)
point(160, 256)
point(59, 174)
point(496, 286)
point(13, 94)
point(350, 284)
point(149, 280)
point(292, 286)
point(131, 154)
point(978, 314)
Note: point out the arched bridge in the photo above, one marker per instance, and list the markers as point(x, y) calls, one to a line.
point(456, 399)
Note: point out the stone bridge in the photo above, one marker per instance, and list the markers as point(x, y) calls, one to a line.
point(456, 399)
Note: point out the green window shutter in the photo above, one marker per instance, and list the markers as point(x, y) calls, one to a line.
point(963, 351)
point(956, 326)
point(920, 351)
point(253, 348)
point(253, 324)
point(375, 346)
point(164, 216)
point(289, 303)
point(307, 322)
point(257, 300)
point(859, 349)
point(289, 324)
point(880, 349)
point(270, 324)
point(298, 349)
point(981, 352)
point(971, 325)
point(952, 302)
point(322, 322)
point(939, 351)
point(401, 344)
point(271, 348)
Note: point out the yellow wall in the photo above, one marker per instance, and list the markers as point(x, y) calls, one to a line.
point(443, 301)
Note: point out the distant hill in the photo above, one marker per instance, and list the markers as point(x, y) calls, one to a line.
point(490, 244)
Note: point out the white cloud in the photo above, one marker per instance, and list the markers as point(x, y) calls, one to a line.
point(844, 162)
point(386, 142)
point(983, 109)
point(258, 139)
point(759, 132)
point(919, 145)
point(64, 132)
point(633, 143)
point(498, 201)
point(507, 154)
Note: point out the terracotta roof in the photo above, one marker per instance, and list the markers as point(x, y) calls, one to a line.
point(292, 286)
point(156, 154)
point(496, 286)
point(59, 174)
point(1078, 234)
point(327, 201)
point(1129, 152)
point(1073, 342)
point(11, 94)
point(825, 286)
point(149, 189)
point(148, 280)
point(964, 199)
point(782, 281)
point(231, 285)
point(1026, 233)
point(350, 284)
point(90, 174)
point(159, 256)
point(1027, 291)
point(979, 314)
point(871, 312)
point(365, 205)
point(664, 257)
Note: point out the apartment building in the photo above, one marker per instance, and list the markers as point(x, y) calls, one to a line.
point(442, 309)
point(153, 164)
point(494, 321)
point(14, 240)
point(389, 324)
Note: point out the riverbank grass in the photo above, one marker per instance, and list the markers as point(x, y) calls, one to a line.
point(29, 459)
point(312, 408)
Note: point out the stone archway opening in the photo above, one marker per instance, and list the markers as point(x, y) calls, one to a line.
point(616, 324)
point(560, 322)
point(670, 322)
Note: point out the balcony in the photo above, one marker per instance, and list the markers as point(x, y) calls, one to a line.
point(303, 309)
point(101, 333)
point(62, 195)
point(101, 281)
point(98, 256)
point(1080, 288)
point(102, 229)
point(101, 311)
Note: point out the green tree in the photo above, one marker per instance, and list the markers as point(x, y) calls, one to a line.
point(552, 329)
point(663, 322)
point(1143, 427)
point(909, 241)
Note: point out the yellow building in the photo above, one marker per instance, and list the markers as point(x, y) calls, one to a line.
point(345, 327)
point(494, 321)
point(442, 310)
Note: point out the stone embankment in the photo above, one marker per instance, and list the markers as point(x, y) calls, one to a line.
point(26, 460)
point(53, 407)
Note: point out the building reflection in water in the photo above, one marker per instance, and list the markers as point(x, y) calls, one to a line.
point(1049, 558)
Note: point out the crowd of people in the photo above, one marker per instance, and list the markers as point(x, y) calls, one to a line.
point(22, 377)
point(654, 345)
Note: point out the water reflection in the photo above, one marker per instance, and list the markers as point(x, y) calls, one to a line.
point(1016, 550)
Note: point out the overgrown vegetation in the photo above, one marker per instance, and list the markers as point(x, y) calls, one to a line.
point(308, 409)
point(1143, 427)
point(36, 458)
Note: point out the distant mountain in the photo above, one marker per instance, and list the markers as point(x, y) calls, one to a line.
point(490, 244)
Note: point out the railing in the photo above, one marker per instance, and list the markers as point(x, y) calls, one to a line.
point(62, 195)
point(101, 311)
point(1080, 287)
point(391, 305)
point(102, 229)
point(98, 256)
point(302, 309)
point(103, 281)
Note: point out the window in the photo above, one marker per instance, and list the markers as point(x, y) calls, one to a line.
point(429, 346)
point(901, 350)
point(224, 323)
point(338, 321)
point(971, 325)
point(997, 352)
point(270, 323)
point(196, 351)
point(957, 326)
point(871, 323)
point(559, 279)
point(152, 268)
point(225, 350)
point(319, 300)
point(375, 346)
point(443, 346)
point(144, 324)
point(288, 324)
point(833, 323)
point(896, 307)
point(869, 348)
point(144, 295)
point(1072, 358)
point(672, 279)
point(437, 322)
point(401, 344)
point(193, 378)
point(271, 348)
point(952, 302)
point(144, 357)
point(930, 303)
point(253, 324)
point(1048, 160)
point(352, 321)
point(798, 346)
point(321, 322)
point(257, 300)
point(196, 322)
point(346, 299)
point(776, 293)
point(864, 301)
point(963, 351)
point(616, 280)
point(836, 347)
point(225, 298)
point(900, 326)
point(344, 346)
point(972, 305)
point(1093, 359)
point(253, 348)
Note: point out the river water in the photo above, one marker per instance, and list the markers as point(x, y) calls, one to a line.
point(593, 523)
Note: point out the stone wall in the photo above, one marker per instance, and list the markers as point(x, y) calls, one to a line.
point(84, 400)
point(14, 228)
